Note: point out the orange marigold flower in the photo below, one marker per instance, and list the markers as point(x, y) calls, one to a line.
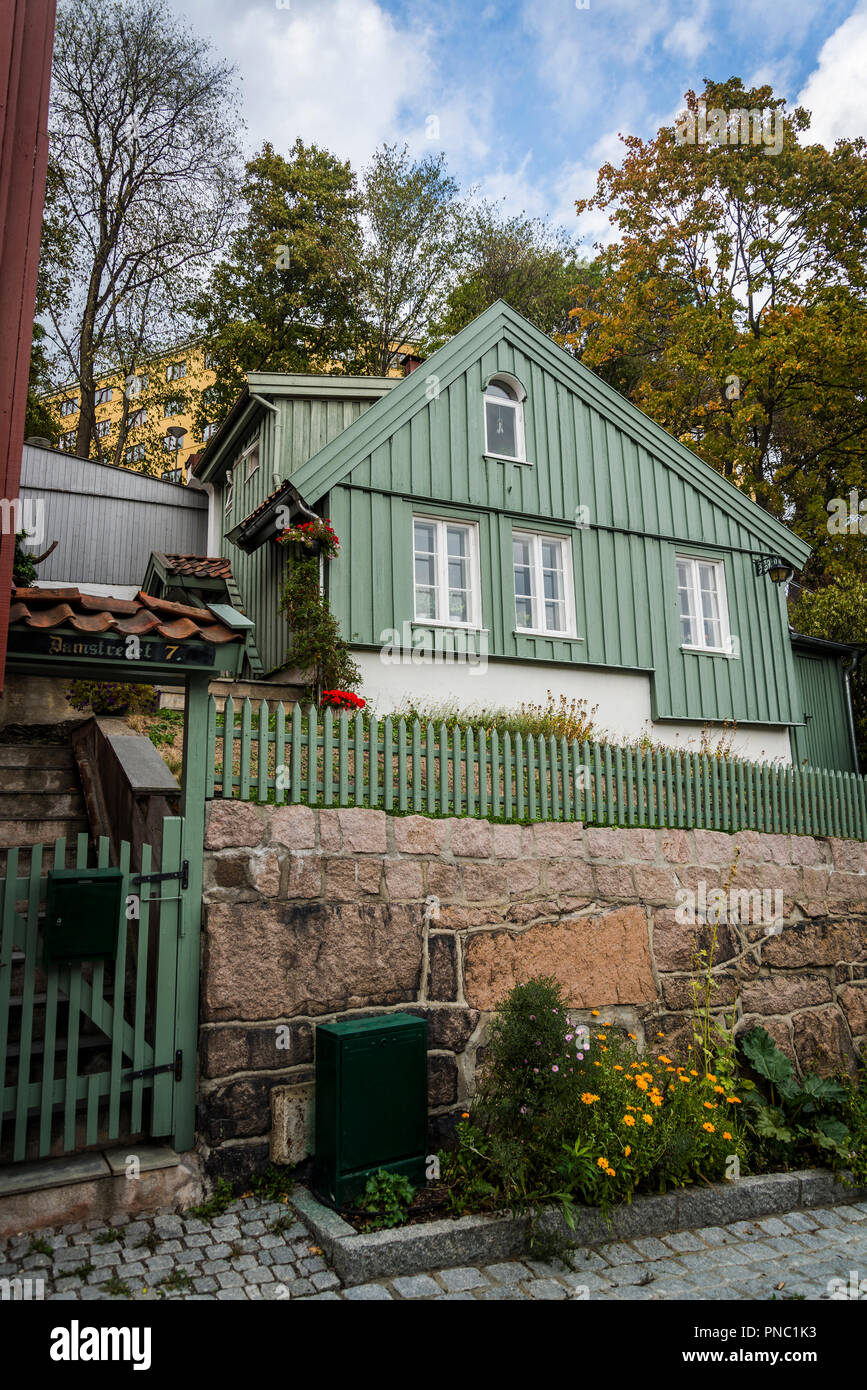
point(632, 1036)
point(641, 1083)
point(595, 1013)
point(656, 1100)
point(629, 1119)
point(684, 1079)
point(611, 1173)
point(660, 1035)
point(648, 1119)
point(600, 1037)
point(627, 1150)
point(732, 1100)
point(726, 1134)
point(720, 1090)
point(588, 1097)
point(617, 1067)
point(708, 1127)
point(693, 1073)
point(667, 1060)
point(708, 1105)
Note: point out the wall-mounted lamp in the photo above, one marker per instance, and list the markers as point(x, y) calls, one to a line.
point(779, 570)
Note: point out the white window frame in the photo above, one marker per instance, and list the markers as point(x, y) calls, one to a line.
point(69, 406)
point(506, 379)
point(136, 453)
point(102, 395)
point(67, 440)
point(230, 492)
point(176, 370)
point(250, 453)
point(137, 418)
point(538, 601)
point(178, 407)
point(103, 429)
point(693, 562)
point(209, 431)
point(442, 580)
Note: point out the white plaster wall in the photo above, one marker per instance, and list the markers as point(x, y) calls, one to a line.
point(623, 698)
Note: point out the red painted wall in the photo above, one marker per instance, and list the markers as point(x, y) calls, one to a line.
point(26, 38)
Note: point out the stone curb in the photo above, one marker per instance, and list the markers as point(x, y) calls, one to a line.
point(478, 1240)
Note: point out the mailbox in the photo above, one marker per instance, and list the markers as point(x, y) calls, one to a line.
point(83, 909)
point(371, 1103)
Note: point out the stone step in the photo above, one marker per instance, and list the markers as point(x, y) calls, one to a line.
point(41, 806)
point(18, 834)
point(52, 755)
point(95, 1185)
point(39, 779)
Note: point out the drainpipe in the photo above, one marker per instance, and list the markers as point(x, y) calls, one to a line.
point(848, 668)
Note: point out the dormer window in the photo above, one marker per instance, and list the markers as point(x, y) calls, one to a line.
point(504, 418)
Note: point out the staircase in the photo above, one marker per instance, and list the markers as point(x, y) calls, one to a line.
point(40, 798)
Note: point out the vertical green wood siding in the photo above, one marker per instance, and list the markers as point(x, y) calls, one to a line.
point(307, 425)
point(824, 740)
point(641, 513)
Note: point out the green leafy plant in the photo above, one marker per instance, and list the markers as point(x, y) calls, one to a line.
point(23, 568)
point(388, 1197)
point(316, 644)
point(577, 1117)
point(39, 1246)
point(216, 1205)
point(165, 727)
point(108, 1236)
point(116, 1287)
point(112, 697)
point(176, 1282)
point(275, 1184)
point(796, 1121)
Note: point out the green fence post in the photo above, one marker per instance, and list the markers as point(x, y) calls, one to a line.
point(190, 907)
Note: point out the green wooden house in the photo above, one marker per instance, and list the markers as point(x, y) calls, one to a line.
point(510, 525)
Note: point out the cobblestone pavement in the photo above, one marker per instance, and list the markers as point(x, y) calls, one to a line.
point(258, 1250)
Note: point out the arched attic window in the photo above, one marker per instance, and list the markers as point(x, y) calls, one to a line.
point(504, 417)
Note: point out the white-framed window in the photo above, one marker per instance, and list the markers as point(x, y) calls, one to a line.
point(174, 407)
point(103, 429)
point(504, 418)
point(172, 475)
point(446, 572)
point(67, 441)
point(230, 492)
point(171, 443)
point(135, 454)
point(102, 396)
point(137, 418)
point(211, 361)
point(250, 459)
point(175, 370)
point(702, 606)
point(209, 431)
point(544, 590)
point(69, 407)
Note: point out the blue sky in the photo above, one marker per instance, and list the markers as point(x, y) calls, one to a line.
point(526, 97)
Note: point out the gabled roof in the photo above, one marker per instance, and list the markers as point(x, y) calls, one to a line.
point(331, 464)
point(197, 566)
point(241, 417)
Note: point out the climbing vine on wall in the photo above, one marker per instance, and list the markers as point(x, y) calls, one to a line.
point(317, 645)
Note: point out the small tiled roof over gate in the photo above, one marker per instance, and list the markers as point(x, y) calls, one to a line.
point(197, 566)
point(141, 616)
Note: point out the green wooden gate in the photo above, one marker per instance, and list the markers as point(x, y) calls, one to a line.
point(98, 1051)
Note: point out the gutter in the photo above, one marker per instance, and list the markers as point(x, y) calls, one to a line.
point(848, 667)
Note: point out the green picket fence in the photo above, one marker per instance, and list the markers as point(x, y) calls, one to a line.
point(339, 759)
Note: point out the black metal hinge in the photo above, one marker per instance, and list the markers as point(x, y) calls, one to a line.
point(177, 1066)
point(183, 873)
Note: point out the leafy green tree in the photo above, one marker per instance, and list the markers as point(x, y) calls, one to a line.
point(414, 221)
point(534, 267)
point(143, 126)
point(285, 296)
point(732, 305)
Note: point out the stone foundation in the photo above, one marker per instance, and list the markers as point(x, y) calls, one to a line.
point(313, 916)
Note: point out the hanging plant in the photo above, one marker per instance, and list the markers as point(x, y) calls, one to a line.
point(315, 537)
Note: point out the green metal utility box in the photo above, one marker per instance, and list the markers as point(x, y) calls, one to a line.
point(371, 1103)
point(83, 908)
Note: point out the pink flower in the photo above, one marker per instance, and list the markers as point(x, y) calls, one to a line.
point(555, 1068)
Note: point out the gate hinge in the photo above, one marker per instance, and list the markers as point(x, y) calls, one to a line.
point(183, 873)
point(177, 1066)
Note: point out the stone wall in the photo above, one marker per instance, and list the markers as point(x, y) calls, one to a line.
point(313, 916)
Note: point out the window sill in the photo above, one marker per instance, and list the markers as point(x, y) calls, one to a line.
point(554, 636)
point(438, 622)
point(707, 651)
point(504, 458)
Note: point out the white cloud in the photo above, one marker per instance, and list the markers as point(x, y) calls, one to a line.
point(343, 73)
point(835, 91)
